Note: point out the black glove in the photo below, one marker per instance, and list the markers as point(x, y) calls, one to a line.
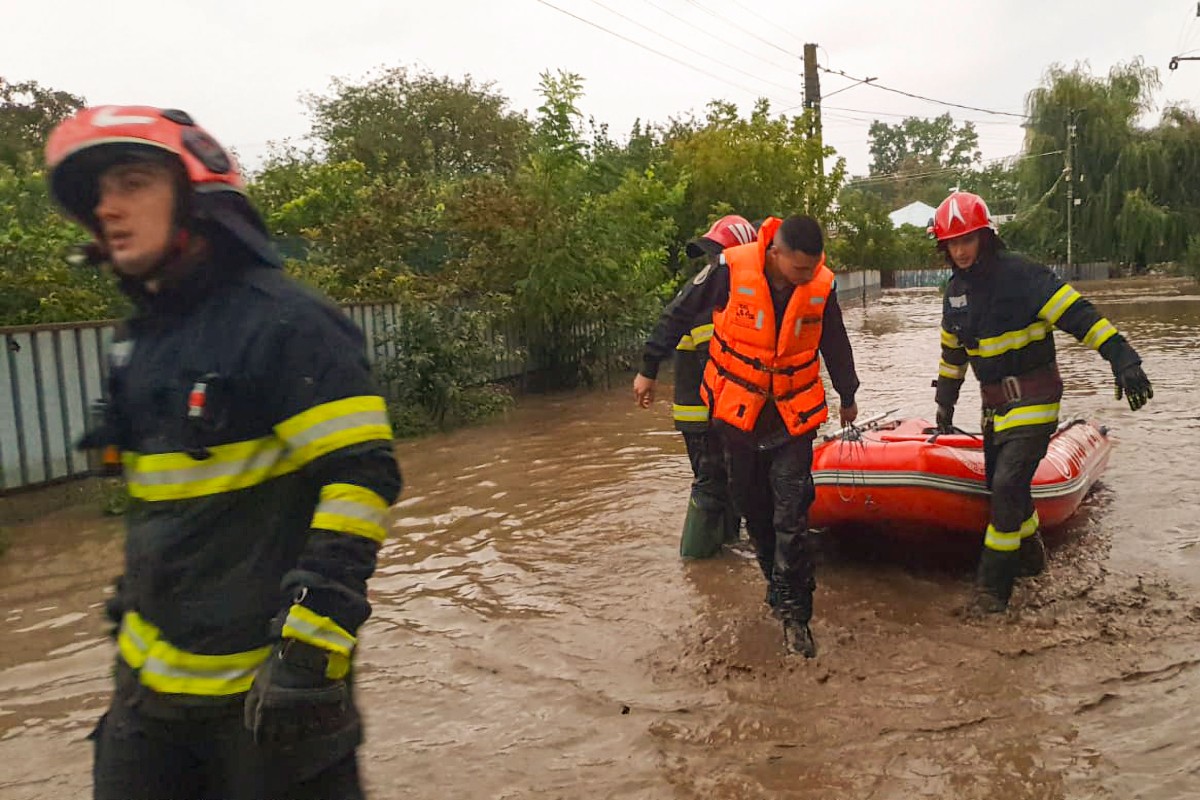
point(1133, 383)
point(291, 699)
point(114, 607)
point(945, 419)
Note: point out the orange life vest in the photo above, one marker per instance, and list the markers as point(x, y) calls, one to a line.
point(749, 363)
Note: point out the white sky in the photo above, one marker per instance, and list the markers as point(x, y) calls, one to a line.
point(240, 67)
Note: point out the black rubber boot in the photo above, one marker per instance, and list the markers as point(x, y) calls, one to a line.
point(798, 638)
point(994, 581)
point(1032, 556)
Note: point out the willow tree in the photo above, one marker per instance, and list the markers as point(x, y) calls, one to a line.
point(1133, 185)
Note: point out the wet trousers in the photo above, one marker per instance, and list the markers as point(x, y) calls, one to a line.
point(209, 757)
point(710, 482)
point(1010, 462)
point(773, 490)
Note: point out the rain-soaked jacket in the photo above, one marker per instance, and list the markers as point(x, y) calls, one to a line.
point(258, 454)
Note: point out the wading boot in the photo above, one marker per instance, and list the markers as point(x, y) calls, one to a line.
point(703, 531)
point(1032, 556)
point(994, 582)
point(798, 638)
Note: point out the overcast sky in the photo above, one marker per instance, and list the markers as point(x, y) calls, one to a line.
point(241, 66)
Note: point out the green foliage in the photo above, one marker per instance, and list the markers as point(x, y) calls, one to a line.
point(28, 112)
point(437, 362)
point(36, 283)
point(401, 122)
point(1191, 257)
point(758, 166)
point(921, 158)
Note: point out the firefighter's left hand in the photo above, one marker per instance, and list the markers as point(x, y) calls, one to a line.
point(643, 390)
point(848, 414)
point(291, 700)
point(1133, 383)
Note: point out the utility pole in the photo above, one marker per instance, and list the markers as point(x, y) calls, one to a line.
point(1070, 176)
point(812, 102)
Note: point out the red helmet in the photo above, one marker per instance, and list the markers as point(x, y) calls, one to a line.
point(83, 146)
point(729, 231)
point(959, 214)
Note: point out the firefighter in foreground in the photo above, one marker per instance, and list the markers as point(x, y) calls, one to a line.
point(259, 458)
point(998, 314)
point(711, 519)
point(775, 316)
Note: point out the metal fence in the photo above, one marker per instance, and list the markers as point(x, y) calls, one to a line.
point(913, 278)
point(50, 375)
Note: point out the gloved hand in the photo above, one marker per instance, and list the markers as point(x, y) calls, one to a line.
point(945, 419)
point(1133, 383)
point(292, 700)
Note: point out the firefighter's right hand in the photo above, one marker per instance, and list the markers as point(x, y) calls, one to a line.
point(643, 390)
point(945, 419)
point(291, 699)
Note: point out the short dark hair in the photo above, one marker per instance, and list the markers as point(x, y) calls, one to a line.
point(802, 233)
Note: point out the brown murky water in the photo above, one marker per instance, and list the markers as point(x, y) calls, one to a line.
point(536, 636)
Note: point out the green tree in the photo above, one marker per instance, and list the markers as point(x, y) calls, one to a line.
point(756, 166)
point(400, 121)
point(28, 112)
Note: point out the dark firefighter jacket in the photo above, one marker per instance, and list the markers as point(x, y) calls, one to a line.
point(259, 458)
point(999, 316)
point(709, 291)
point(691, 356)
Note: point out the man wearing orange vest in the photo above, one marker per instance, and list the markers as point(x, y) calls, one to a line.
point(775, 316)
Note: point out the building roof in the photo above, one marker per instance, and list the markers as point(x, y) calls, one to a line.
point(916, 213)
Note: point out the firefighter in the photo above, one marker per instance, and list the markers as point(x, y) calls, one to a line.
point(998, 315)
point(259, 458)
point(775, 316)
point(711, 519)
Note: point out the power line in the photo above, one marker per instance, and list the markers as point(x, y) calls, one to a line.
point(636, 43)
point(900, 176)
point(724, 43)
point(685, 47)
point(922, 97)
point(750, 33)
point(906, 116)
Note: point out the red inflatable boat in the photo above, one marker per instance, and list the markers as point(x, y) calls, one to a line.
point(898, 475)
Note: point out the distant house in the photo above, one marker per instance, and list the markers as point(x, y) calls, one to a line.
point(917, 213)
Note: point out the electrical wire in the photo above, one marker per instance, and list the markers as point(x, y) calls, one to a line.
point(877, 85)
point(901, 176)
point(636, 43)
point(644, 27)
point(750, 33)
point(724, 43)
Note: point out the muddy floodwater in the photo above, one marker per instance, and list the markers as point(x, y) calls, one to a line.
point(535, 634)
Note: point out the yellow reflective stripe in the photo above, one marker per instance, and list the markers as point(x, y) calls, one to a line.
point(952, 371)
point(309, 626)
point(165, 668)
point(1044, 414)
point(686, 343)
point(689, 413)
point(337, 667)
point(1013, 340)
point(331, 426)
point(175, 476)
point(950, 340)
point(1099, 333)
point(702, 333)
point(999, 540)
point(346, 508)
point(1058, 304)
point(134, 640)
point(1029, 527)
